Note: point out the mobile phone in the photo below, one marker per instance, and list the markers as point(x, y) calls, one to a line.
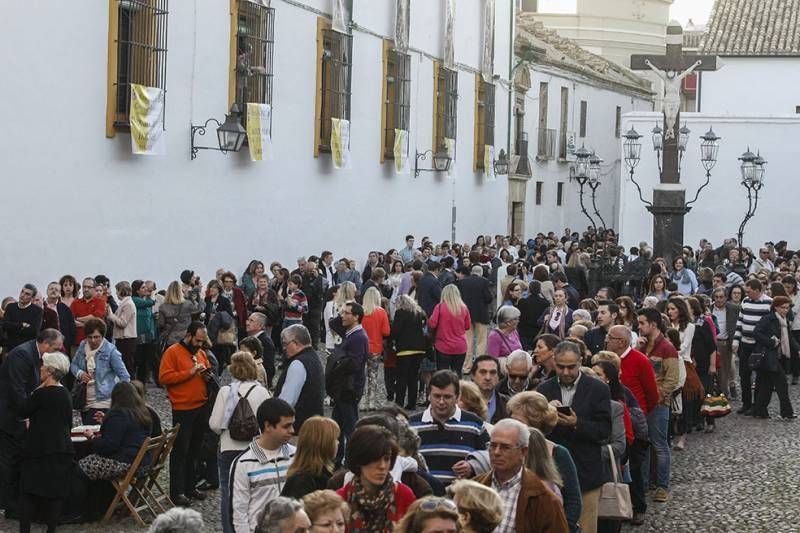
point(564, 409)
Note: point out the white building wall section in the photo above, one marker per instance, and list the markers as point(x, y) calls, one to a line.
point(77, 202)
point(722, 205)
point(602, 102)
point(751, 85)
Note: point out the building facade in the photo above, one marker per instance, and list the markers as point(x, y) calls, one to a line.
point(80, 202)
point(759, 47)
point(567, 98)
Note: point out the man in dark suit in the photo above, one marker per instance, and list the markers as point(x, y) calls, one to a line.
point(256, 327)
point(485, 373)
point(584, 423)
point(595, 339)
point(19, 376)
point(429, 291)
point(477, 296)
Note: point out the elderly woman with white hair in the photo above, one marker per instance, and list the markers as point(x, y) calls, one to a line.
point(505, 338)
point(178, 520)
point(283, 515)
point(46, 457)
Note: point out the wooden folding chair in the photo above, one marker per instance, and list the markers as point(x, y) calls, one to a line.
point(128, 488)
point(150, 487)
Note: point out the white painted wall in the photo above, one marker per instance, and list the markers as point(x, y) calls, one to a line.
point(751, 85)
point(601, 115)
point(76, 202)
point(722, 205)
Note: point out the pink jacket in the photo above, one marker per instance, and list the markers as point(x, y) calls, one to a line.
point(451, 336)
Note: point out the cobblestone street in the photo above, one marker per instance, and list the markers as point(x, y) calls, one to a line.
point(741, 478)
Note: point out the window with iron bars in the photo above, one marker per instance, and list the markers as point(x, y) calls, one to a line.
point(484, 121)
point(138, 54)
point(255, 42)
point(446, 93)
point(335, 82)
point(397, 103)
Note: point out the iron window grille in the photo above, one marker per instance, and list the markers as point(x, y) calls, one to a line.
point(141, 51)
point(255, 43)
point(335, 87)
point(485, 121)
point(446, 106)
point(398, 98)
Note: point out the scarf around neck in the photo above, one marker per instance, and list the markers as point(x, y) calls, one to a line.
point(786, 347)
point(370, 512)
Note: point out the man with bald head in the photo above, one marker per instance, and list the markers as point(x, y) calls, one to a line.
point(636, 373)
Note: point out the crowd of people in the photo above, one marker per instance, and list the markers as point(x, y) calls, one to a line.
point(489, 386)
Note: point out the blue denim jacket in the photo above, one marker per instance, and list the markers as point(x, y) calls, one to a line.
point(108, 368)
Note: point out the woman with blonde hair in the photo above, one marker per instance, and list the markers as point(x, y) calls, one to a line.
point(470, 399)
point(451, 320)
point(326, 510)
point(422, 513)
point(312, 466)
point(175, 314)
point(376, 326)
point(533, 409)
point(243, 384)
point(410, 344)
point(480, 508)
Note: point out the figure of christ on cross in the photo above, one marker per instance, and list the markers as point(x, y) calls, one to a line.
point(669, 202)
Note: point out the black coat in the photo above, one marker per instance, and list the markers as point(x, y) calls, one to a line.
point(595, 339)
point(268, 359)
point(429, 292)
point(500, 410)
point(19, 376)
point(531, 310)
point(407, 331)
point(768, 334)
point(592, 405)
point(477, 296)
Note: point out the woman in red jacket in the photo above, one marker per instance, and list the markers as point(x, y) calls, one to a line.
point(376, 326)
point(376, 501)
point(451, 320)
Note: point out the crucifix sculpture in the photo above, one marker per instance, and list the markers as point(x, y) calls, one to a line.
point(669, 197)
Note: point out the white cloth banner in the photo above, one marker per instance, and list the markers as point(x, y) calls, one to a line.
point(450, 146)
point(488, 162)
point(341, 16)
point(340, 142)
point(401, 151)
point(449, 33)
point(401, 24)
point(146, 118)
point(259, 131)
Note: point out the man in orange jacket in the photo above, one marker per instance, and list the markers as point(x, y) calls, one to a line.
point(184, 372)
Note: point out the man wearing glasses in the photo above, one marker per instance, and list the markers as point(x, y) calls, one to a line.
point(584, 423)
point(87, 307)
point(637, 374)
point(528, 505)
point(519, 366)
point(345, 376)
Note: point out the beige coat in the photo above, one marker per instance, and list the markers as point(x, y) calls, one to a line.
point(124, 319)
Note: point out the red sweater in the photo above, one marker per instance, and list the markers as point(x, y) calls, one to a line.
point(376, 325)
point(403, 498)
point(637, 374)
point(80, 308)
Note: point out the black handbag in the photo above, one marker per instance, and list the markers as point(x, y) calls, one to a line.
point(756, 360)
point(79, 395)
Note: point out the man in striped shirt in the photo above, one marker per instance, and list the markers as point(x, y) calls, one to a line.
point(754, 306)
point(259, 473)
point(447, 433)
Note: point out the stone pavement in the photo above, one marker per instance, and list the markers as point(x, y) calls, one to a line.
point(741, 478)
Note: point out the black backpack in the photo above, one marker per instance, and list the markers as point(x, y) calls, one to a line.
point(243, 424)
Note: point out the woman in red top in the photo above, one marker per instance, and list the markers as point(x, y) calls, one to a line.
point(376, 502)
point(451, 320)
point(376, 326)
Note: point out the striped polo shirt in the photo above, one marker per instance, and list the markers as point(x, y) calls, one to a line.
point(443, 445)
point(750, 312)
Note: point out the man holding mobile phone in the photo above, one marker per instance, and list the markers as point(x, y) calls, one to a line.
point(584, 423)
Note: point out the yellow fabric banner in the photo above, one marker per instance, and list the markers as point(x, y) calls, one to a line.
point(488, 162)
point(146, 118)
point(259, 131)
point(401, 151)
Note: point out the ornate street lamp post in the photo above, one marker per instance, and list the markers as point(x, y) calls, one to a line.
point(752, 168)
